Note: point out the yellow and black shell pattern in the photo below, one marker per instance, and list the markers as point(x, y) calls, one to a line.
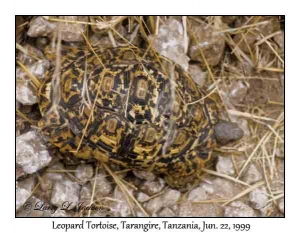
point(130, 107)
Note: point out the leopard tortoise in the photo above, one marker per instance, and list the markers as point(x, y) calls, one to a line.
point(130, 107)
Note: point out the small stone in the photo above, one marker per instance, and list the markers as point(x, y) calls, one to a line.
point(84, 172)
point(239, 209)
point(251, 175)
point(100, 26)
point(227, 132)
point(209, 41)
point(171, 42)
point(225, 165)
point(237, 91)
point(142, 197)
point(224, 189)
point(198, 75)
point(28, 209)
point(229, 19)
point(70, 32)
point(64, 193)
point(208, 187)
point(166, 212)
point(31, 153)
point(103, 186)
point(144, 175)
point(97, 214)
point(152, 187)
point(39, 26)
point(281, 205)
point(25, 55)
point(48, 178)
point(120, 207)
point(189, 209)
point(100, 41)
point(86, 193)
point(258, 198)
point(27, 183)
point(197, 194)
point(246, 42)
point(19, 172)
point(170, 197)
point(279, 152)
point(39, 68)
point(243, 124)
point(61, 214)
point(279, 39)
point(25, 94)
point(154, 205)
point(140, 214)
point(21, 197)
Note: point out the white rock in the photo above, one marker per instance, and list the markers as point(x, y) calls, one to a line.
point(170, 42)
point(170, 197)
point(86, 193)
point(281, 205)
point(225, 165)
point(25, 93)
point(258, 198)
point(142, 197)
point(40, 27)
point(21, 197)
point(197, 194)
point(84, 172)
point(251, 175)
point(154, 205)
point(31, 153)
point(152, 187)
point(144, 175)
point(120, 207)
point(166, 212)
point(64, 193)
point(239, 209)
point(197, 74)
point(103, 186)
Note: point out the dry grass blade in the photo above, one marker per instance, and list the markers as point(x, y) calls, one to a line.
point(252, 154)
point(68, 21)
point(125, 190)
point(204, 97)
point(36, 83)
point(97, 94)
point(248, 115)
point(94, 188)
point(240, 55)
point(24, 117)
point(109, 24)
point(224, 176)
point(202, 55)
point(274, 51)
point(245, 192)
point(22, 49)
point(212, 201)
point(234, 30)
point(264, 139)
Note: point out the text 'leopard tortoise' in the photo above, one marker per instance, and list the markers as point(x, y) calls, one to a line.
point(130, 107)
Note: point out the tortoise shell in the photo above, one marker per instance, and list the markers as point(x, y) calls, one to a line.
point(130, 107)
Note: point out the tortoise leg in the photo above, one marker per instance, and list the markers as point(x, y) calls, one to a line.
point(186, 170)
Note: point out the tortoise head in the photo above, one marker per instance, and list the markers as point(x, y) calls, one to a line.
point(226, 132)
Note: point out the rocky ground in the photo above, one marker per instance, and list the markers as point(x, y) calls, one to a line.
point(241, 58)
